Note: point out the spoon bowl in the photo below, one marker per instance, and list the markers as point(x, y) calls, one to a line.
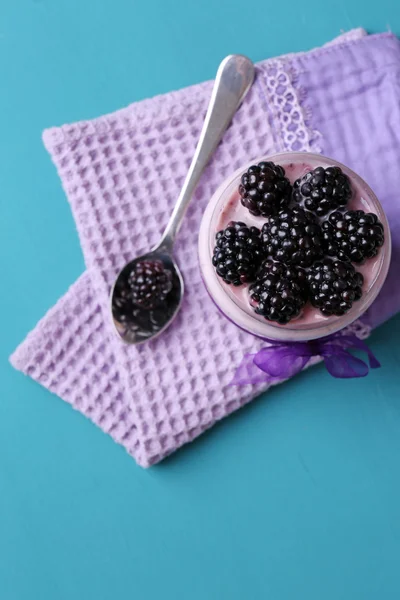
point(136, 324)
point(143, 324)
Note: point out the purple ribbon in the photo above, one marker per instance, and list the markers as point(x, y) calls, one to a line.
point(282, 360)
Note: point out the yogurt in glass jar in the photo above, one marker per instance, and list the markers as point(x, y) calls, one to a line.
point(235, 302)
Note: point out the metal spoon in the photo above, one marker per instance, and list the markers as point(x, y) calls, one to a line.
point(135, 325)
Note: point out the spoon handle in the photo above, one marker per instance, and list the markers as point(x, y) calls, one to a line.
point(234, 78)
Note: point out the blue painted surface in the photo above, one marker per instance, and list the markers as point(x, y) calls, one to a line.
point(298, 495)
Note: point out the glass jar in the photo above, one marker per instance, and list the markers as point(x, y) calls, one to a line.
point(225, 206)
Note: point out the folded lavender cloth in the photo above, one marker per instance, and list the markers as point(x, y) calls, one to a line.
point(122, 174)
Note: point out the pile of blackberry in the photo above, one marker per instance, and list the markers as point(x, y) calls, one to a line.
point(297, 257)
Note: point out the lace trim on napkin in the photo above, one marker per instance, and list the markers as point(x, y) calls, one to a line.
point(285, 100)
point(286, 105)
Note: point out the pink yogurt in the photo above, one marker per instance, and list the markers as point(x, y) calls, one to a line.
point(225, 206)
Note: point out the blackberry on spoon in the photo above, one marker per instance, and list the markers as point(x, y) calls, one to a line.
point(353, 235)
point(264, 189)
point(150, 283)
point(293, 237)
point(323, 190)
point(334, 286)
point(279, 292)
point(237, 253)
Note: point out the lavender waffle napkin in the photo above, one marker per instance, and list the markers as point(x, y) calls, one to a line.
point(122, 174)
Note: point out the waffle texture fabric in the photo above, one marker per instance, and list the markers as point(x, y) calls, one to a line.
point(122, 174)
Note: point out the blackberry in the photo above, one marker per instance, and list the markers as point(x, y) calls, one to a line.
point(323, 190)
point(293, 237)
point(279, 292)
point(237, 253)
point(149, 283)
point(264, 189)
point(334, 286)
point(353, 235)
